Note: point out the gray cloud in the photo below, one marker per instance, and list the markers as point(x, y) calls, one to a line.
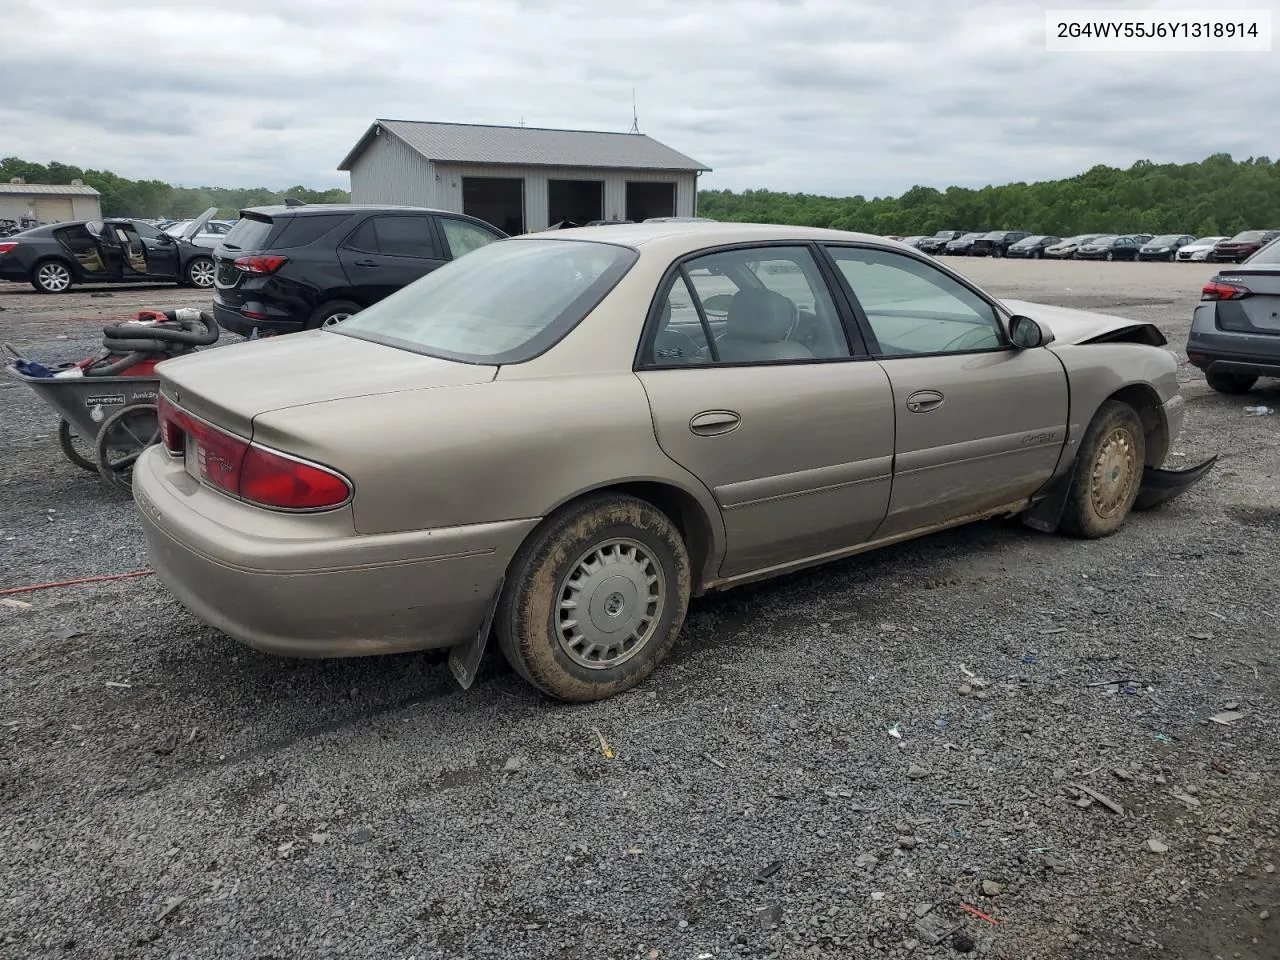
point(820, 96)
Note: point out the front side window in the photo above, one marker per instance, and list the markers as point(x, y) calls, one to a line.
point(913, 307)
point(756, 305)
point(463, 237)
point(503, 303)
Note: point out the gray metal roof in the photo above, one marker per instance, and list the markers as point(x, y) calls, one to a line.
point(48, 189)
point(529, 146)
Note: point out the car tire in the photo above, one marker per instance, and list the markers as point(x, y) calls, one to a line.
point(1231, 383)
point(558, 571)
point(1109, 257)
point(199, 273)
point(1107, 473)
point(51, 276)
point(335, 311)
point(1037, 254)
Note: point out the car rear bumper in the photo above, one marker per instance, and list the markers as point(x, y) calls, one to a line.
point(299, 585)
point(234, 321)
point(1214, 350)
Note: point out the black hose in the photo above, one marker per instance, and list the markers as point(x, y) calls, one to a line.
point(99, 369)
point(196, 333)
point(164, 348)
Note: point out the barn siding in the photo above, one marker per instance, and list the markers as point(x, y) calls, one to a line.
point(388, 171)
point(449, 187)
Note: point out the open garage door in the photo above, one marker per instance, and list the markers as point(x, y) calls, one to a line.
point(495, 200)
point(579, 201)
point(645, 200)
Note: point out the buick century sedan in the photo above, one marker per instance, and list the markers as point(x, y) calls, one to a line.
point(559, 439)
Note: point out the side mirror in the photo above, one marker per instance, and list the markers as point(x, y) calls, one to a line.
point(1026, 334)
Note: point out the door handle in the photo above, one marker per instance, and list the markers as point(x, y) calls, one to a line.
point(712, 423)
point(924, 401)
point(364, 263)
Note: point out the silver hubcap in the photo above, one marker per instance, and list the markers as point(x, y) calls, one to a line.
point(609, 604)
point(202, 273)
point(334, 319)
point(54, 276)
point(1114, 473)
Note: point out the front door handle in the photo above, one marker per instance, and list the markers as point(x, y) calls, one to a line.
point(365, 263)
point(712, 423)
point(923, 401)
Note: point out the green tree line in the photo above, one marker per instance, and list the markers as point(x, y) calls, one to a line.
point(1218, 195)
point(154, 198)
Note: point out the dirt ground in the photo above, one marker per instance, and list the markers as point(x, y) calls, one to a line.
point(915, 745)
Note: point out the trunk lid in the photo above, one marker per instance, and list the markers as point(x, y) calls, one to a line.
point(233, 384)
point(1260, 311)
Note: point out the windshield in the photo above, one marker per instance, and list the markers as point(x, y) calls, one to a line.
point(503, 303)
point(1249, 235)
point(1029, 241)
point(945, 234)
point(1165, 240)
point(972, 236)
point(1105, 239)
point(1206, 241)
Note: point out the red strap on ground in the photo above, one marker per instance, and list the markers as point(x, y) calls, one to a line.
point(71, 583)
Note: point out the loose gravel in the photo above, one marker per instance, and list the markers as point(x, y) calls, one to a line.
point(988, 741)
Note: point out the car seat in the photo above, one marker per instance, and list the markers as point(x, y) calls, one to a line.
point(759, 323)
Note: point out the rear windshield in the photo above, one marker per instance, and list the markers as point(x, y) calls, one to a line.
point(1268, 254)
point(503, 303)
point(249, 233)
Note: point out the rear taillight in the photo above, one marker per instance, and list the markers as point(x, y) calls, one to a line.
point(263, 264)
point(6, 247)
point(275, 480)
point(1217, 290)
point(252, 473)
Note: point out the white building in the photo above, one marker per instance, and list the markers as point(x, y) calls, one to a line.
point(522, 178)
point(47, 202)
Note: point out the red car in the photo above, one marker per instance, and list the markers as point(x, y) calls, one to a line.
point(1242, 246)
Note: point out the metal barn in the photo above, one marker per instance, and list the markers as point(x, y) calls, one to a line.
point(522, 179)
point(48, 202)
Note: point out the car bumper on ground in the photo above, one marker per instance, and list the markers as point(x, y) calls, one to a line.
point(301, 585)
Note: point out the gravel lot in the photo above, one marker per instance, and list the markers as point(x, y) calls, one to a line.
point(165, 792)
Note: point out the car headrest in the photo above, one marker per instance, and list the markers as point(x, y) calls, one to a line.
point(761, 316)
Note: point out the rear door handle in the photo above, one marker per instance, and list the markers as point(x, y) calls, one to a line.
point(365, 263)
point(712, 423)
point(923, 401)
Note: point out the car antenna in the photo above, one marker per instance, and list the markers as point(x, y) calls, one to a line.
point(294, 202)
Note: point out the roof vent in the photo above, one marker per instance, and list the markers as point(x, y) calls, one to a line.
point(16, 180)
point(77, 182)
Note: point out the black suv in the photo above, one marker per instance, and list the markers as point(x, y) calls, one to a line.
point(938, 242)
point(997, 243)
point(289, 268)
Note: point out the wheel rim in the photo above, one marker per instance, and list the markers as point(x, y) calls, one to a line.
point(202, 273)
point(609, 604)
point(54, 276)
point(123, 441)
point(336, 318)
point(1114, 473)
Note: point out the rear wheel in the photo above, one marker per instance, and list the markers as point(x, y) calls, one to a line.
point(1107, 473)
point(595, 599)
point(1037, 254)
point(51, 276)
point(74, 448)
point(332, 313)
point(200, 273)
point(1109, 257)
point(1233, 383)
point(122, 439)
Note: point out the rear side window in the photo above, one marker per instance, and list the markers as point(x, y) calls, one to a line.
point(1269, 254)
point(250, 233)
point(300, 231)
point(406, 236)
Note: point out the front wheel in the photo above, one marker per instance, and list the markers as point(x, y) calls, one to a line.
point(595, 599)
point(1231, 383)
point(200, 273)
point(332, 314)
point(51, 276)
point(1107, 473)
point(1109, 257)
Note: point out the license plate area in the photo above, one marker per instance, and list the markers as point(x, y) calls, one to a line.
point(193, 457)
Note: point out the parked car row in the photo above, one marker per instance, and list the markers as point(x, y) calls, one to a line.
point(1170, 247)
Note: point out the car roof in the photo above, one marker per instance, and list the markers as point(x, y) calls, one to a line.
point(281, 210)
point(676, 238)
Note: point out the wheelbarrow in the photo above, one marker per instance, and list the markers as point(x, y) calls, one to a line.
point(107, 405)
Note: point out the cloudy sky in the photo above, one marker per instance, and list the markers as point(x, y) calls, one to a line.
point(823, 96)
